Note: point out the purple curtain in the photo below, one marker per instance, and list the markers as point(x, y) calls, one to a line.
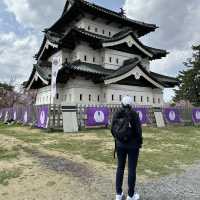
point(27, 114)
point(97, 116)
point(2, 113)
point(196, 115)
point(172, 115)
point(42, 116)
point(143, 114)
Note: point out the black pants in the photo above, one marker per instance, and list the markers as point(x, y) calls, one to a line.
point(133, 154)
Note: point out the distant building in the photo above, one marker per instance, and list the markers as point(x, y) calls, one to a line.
point(102, 59)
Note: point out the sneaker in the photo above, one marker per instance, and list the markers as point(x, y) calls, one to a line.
point(135, 197)
point(120, 197)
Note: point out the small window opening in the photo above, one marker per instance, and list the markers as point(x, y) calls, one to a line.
point(117, 61)
point(112, 97)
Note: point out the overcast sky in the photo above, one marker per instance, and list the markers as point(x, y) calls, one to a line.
point(22, 21)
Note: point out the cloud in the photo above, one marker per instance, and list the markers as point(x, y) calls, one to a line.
point(17, 50)
point(16, 55)
point(178, 21)
point(179, 30)
point(36, 14)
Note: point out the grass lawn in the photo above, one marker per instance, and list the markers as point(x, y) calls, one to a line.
point(165, 151)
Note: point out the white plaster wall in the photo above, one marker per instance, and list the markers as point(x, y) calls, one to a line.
point(43, 96)
point(138, 92)
point(78, 86)
point(83, 50)
point(113, 28)
point(63, 54)
point(70, 93)
point(121, 56)
point(102, 57)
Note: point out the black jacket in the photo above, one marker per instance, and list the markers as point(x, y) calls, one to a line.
point(136, 128)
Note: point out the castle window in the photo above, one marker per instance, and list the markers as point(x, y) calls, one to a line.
point(153, 100)
point(89, 28)
point(57, 96)
point(85, 58)
point(141, 98)
point(110, 59)
point(96, 29)
point(113, 97)
point(103, 31)
point(120, 97)
point(81, 97)
point(98, 99)
point(94, 59)
point(158, 100)
point(117, 60)
point(134, 98)
point(109, 33)
point(90, 97)
point(147, 99)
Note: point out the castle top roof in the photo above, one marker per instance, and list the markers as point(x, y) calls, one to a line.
point(75, 8)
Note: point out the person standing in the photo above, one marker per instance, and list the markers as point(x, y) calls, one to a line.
point(127, 132)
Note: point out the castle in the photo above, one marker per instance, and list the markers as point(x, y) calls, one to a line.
point(93, 55)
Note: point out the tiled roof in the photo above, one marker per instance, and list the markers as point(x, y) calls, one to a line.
point(87, 67)
point(171, 81)
point(126, 67)
point(158, 53)
point(44, 72)
point(104, 12)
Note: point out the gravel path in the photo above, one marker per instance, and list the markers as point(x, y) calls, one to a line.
point(182, 187)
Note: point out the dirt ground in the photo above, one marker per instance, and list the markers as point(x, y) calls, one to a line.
point(52, 174)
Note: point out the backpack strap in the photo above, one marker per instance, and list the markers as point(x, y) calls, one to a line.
point(115, 149)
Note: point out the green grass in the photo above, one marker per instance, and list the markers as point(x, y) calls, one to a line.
point(6, 154)
point(25, 136)
point(6, 175)
point(90, 149)
point(164, 151)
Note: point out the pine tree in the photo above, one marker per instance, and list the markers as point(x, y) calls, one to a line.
point(189, 78)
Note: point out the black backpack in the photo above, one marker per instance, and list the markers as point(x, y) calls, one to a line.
point(121, 128)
